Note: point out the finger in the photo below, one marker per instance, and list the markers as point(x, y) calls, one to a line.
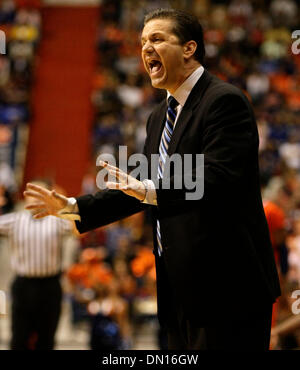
point(110, 167)
point(33, 194)
point(58, 196)
point(41, 215)
point(106, 165)
point(119, 175)
point(35, 206)
point(37, 188)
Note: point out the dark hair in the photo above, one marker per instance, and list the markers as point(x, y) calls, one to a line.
point(186, 28)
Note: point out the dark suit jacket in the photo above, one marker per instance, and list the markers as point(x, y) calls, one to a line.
point(217, 250)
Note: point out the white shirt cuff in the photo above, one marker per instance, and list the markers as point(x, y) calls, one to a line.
point(151, 197)
point(71, 211)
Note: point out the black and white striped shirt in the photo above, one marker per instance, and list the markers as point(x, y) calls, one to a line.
point(36, 245)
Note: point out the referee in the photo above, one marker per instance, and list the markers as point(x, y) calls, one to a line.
point(36, 256)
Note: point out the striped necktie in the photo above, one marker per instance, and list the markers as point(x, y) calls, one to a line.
point(163, 151)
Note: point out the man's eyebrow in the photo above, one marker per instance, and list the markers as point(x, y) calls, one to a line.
point(152, 35)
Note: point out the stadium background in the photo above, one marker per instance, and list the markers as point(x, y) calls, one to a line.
point(72, 86)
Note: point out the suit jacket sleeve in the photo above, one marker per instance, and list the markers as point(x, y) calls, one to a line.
point(228, 140)
point(104, 208)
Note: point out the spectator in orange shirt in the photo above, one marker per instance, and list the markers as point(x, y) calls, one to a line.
point(85, 278)
point(276, 218)
point(276, 221)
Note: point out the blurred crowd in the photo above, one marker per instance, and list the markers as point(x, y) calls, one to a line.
point(20, 25)
point(111, 283)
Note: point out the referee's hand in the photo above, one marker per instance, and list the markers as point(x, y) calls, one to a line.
point(44, 202)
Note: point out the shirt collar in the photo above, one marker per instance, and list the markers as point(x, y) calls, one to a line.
point(183, 91)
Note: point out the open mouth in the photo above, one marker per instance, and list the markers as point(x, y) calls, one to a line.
point(155, 67)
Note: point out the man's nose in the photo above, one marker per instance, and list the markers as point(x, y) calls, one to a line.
point(147, 47)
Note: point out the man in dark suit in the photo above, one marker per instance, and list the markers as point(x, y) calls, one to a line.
point(216, 276)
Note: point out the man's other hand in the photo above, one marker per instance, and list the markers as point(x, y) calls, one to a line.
point(126, 183)
point(44, 202)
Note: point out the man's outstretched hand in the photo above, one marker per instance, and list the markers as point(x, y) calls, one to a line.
point(44, 202)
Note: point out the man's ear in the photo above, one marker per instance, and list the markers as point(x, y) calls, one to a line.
point(189, 49)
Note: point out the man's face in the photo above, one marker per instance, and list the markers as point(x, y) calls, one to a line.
point(163, 55)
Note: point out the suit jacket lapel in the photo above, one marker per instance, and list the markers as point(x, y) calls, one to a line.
point(159, 116)
point(187, 111)
point(181, 124)
point(159, 120)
